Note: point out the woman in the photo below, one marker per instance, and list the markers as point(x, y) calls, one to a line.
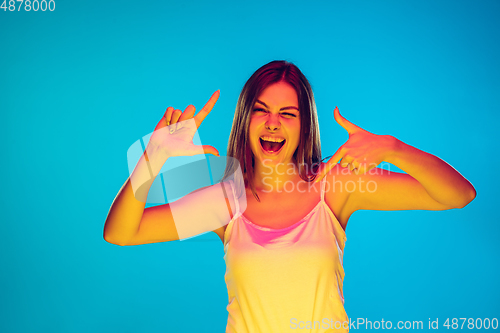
point(284, 251)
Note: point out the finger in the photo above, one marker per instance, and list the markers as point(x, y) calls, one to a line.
point(367, 167)
point(188, 113)
point(353, 165)
point(168, 115)
point(175, 116)
point(210, 150)
point(346, 160)
point(346, 124)
point(361, 169)
point(163, 122)
point(206, 109)
point(331, 163)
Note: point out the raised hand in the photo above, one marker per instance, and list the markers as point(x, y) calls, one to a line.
point(361, 152)
point(173, 135)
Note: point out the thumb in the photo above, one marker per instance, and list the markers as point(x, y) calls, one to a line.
point(210, 150)
point(346, 124)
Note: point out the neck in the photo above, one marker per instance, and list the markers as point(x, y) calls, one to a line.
point(275, 178)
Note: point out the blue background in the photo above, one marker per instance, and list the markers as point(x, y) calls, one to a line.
point(79, 85)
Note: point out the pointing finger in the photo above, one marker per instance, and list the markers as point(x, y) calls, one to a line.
point(331, 163)
point(207, 108)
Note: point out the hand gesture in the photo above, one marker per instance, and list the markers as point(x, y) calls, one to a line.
point(173, 136)
point(361, 152)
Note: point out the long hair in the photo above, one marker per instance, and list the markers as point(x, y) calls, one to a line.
point(308, 153)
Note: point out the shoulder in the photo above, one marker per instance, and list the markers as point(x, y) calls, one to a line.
point(339, 185)
point(338, 179)
point(233, 203)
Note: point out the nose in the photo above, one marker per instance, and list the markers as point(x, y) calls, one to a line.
point(273, 123)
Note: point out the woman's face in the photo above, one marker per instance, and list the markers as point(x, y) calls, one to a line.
point(275, 124)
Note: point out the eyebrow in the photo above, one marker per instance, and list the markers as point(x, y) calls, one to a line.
point(285, 108)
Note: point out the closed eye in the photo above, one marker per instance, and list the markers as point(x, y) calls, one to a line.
point(283, 114)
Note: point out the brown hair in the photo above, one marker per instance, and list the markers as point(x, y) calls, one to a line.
point(308, 153)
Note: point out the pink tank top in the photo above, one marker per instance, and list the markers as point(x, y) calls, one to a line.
point(285, 280)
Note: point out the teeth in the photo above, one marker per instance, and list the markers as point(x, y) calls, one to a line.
point(270, 139)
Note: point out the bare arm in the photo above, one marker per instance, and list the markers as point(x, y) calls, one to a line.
point(128, 222)
point(430, 183)
point(127, 213)
point(440, 180)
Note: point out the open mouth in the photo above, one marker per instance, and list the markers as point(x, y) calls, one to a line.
point(271, 145)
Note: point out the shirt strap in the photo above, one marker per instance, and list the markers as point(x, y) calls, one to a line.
point(323, 184)
point(227, 199)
